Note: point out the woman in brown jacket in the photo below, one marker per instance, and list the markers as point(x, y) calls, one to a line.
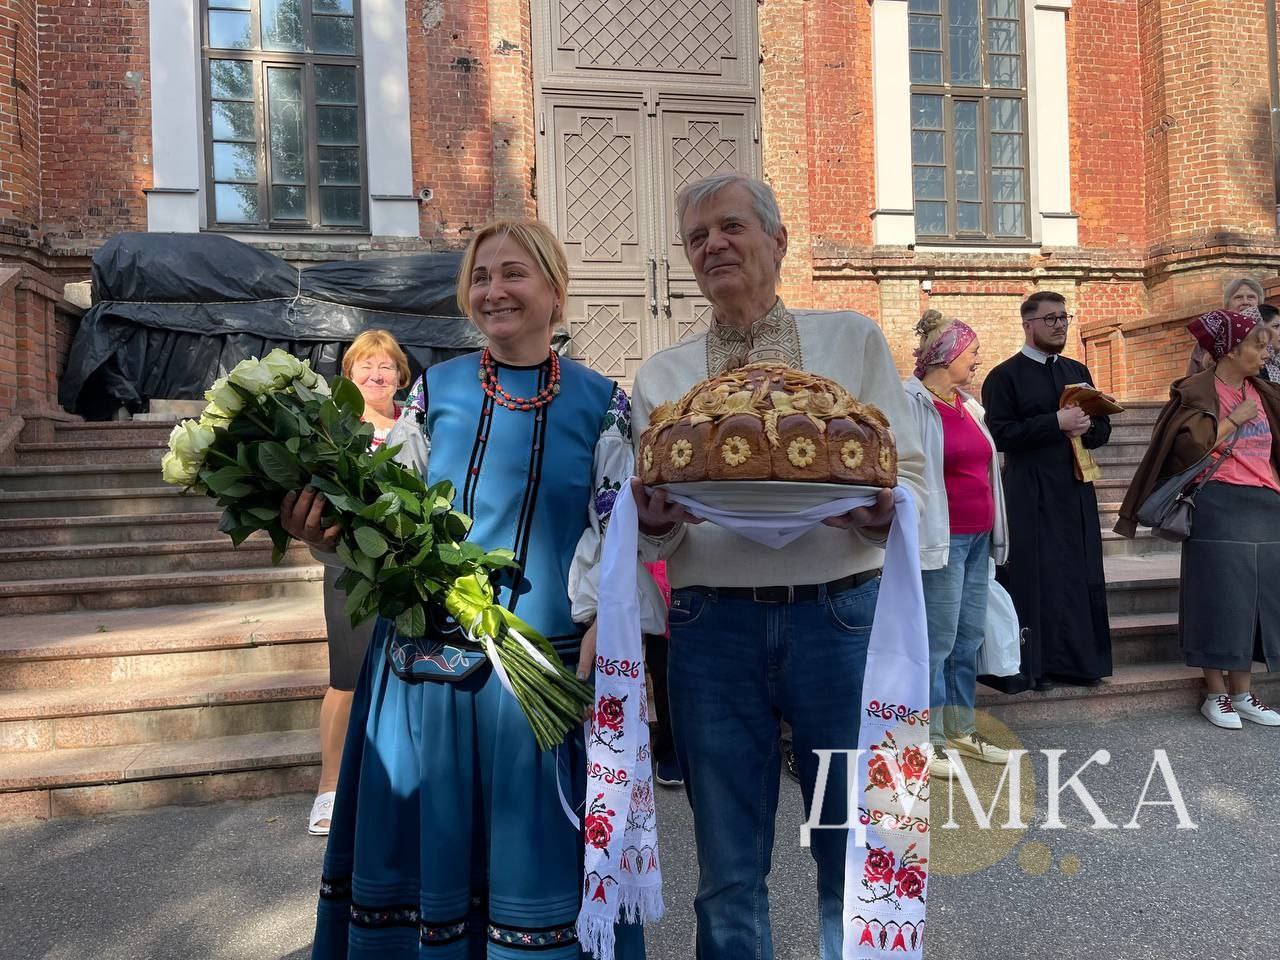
point(1227, 613)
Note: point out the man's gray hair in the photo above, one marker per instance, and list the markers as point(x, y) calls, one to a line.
point(763, 201)
point(1234, 287)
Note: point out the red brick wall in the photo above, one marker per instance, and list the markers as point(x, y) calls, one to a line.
point(1207, 121)
point(19, 119)
point(33, 341)
point(450, 66)
point(1108, 174)
point(511, 98)
point(840, 122)
point(95, 118)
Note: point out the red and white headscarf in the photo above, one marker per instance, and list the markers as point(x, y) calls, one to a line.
point(1221, 331)
point(952, 342)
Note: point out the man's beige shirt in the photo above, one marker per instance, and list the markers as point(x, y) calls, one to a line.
point(844, 346)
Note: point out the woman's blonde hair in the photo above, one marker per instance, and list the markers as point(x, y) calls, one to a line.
point(371, 342)
point(538, 241)
point(931, 326)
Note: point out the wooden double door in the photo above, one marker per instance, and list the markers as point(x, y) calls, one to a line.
point(636, 99)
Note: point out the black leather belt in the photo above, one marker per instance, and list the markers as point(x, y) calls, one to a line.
point(805, 593)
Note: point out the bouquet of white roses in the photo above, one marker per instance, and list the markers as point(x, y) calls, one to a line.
point(271, 427)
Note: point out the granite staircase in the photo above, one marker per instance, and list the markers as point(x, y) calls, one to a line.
point(1142, 600)
point(143, 659)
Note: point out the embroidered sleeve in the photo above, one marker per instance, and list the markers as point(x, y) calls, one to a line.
point(409, 432)
point(613, 465)
point(417, 399)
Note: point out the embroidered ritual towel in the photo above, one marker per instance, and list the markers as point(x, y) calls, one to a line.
point(622, 880)
point(886, 863)
point(886, 876)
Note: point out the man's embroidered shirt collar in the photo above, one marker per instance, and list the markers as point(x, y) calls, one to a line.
point(774, 337)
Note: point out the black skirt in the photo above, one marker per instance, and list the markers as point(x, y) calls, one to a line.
point(347, 644)
point(1229, 602)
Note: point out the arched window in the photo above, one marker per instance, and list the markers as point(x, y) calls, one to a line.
point(284, 145)
point(968, 120)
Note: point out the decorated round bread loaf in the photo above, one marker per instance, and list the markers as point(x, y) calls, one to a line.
point(769, 422)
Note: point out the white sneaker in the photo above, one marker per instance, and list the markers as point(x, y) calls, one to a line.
point(941, 767)
point(1221, 712)
point(1251, 708)
point(980, 748)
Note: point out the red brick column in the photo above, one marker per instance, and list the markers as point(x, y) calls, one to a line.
point(36, 327)
point(450, 64)
point(95, 119)
point(19, 119)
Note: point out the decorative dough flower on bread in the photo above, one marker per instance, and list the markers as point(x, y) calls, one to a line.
point(886, 458)
point(735, 451)
point(802, 451)
point(681, 453)
point(851, 454)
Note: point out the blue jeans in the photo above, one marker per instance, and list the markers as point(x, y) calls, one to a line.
point(955, 601)
point(737, 669)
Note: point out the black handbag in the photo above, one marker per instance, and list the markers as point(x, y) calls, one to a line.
point(1169, 510)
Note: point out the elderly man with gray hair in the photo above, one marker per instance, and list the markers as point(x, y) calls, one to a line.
point(763, 635)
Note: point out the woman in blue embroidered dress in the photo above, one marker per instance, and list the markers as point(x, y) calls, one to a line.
point(451, 835)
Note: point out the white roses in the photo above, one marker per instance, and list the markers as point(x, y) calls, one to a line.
point(251, 378)
point(188, 444)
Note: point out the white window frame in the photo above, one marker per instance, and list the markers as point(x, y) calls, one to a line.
point(178, 199)
point(1053, 224)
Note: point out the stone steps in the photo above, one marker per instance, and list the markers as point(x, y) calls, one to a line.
point(144, 660)
point(1124, 450)
point(155, 709)
point(111, 433)
point(120, 529)
point(98, 503)
point(68, 650)
point(105, 779)
point(1144, 544)
point(138, 707)
point(111, 476)
point(1142, 585)
point(137, 559)
point(1145, 638)
point(85, 453)
point(115, 593)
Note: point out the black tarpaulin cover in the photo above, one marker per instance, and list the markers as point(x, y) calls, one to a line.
point(175, 311)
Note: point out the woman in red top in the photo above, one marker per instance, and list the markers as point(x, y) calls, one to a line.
point(1228, 608)
point(962, 530)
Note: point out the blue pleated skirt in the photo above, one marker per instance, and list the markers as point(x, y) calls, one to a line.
point(449, 837)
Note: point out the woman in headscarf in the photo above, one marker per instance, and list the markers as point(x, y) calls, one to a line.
point(1239, 295)
point(1228, 611)
point(963, 527)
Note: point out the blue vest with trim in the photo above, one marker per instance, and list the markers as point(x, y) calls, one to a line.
point(526, 482)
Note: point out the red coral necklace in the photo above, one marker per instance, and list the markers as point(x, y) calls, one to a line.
point(489, 381)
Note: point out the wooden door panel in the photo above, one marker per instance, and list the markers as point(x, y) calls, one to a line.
point(598, 186)
point(612, 332)
point(697, 139)
point(674, 40)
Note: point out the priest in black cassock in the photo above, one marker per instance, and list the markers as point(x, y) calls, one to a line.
point(1054, 573)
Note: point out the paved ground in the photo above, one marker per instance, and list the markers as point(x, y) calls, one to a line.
point(236, 881)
